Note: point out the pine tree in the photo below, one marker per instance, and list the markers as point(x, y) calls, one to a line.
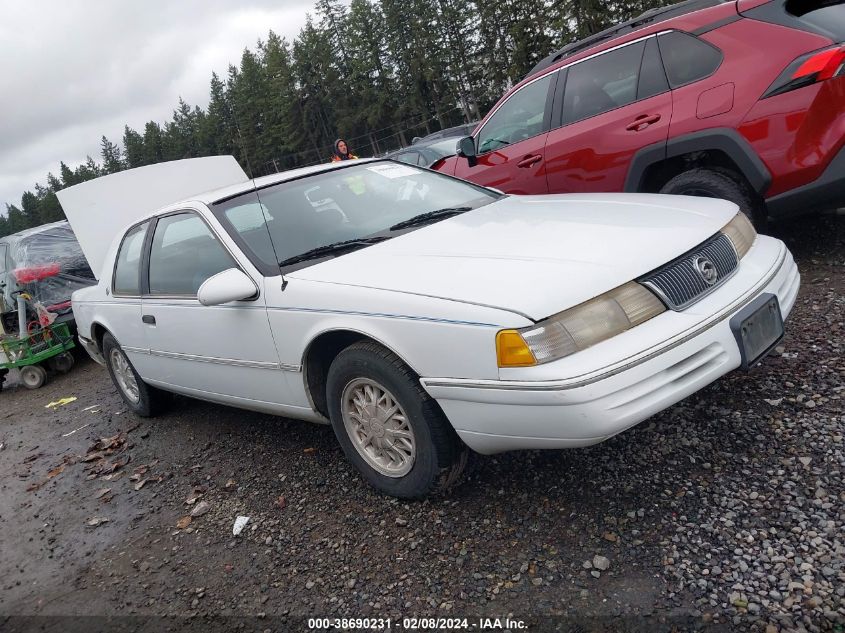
point(110, 153)
point(153, 149)
point(133, 148)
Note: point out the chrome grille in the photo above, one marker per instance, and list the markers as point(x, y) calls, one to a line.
point(680, 283)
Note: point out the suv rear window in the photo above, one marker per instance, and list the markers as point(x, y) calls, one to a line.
point(822, 15)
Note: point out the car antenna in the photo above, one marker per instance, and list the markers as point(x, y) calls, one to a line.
point(243, 145)
point(252, 177)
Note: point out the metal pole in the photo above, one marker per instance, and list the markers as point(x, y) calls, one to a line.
point(22, 334)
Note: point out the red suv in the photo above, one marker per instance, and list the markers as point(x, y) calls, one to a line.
point(739, 99)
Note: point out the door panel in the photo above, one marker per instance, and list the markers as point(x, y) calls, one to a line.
point(613, 105)
point(595, 154)
point(517, 168)
point(225, 350)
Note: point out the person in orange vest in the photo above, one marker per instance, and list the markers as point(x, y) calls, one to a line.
point(341, 151)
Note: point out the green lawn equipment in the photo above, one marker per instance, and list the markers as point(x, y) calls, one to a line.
point(37, 343)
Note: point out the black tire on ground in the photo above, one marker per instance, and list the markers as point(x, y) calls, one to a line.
point(151, 401)
point(33, 376)
point(62, 363)
point(719, 183)
point(440, 455)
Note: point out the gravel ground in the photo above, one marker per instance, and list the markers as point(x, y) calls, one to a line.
point(726, 511)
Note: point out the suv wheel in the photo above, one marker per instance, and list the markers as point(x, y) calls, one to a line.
point(388, 426)
point(717, 183)
point(142, 399)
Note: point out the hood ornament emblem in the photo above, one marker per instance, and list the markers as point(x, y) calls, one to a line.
point(706, 269)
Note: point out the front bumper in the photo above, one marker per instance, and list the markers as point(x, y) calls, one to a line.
point(496, 416)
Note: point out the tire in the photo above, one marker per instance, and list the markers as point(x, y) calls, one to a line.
point(33, 376)
point(141, 398)
point(62, 363)
point(719, 183)
point(434, 455)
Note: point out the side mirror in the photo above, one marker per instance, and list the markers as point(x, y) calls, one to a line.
point(466, 148)
point(230, 285)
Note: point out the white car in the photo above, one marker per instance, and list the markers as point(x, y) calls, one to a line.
point(429, 315)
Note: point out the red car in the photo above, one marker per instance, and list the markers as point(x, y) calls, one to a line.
point(740, 99)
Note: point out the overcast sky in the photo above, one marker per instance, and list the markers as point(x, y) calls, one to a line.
point(74, 70)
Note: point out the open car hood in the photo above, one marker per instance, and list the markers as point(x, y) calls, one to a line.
point(533, 255)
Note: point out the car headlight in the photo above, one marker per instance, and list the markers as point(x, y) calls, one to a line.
point(741, 233)
point(578, 328)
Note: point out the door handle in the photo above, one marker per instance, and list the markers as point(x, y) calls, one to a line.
point(149, 319)
point(530, 161)
point(642, 122)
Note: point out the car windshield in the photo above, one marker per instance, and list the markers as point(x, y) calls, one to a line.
point(283, 221)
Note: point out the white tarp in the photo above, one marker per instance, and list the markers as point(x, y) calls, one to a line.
point(101, 209)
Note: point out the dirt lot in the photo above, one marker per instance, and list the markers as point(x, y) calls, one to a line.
point(726, 511)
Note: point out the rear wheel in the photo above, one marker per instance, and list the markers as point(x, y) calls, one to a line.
point(33, 376)
point(140, 397)
point(719, 183)
point(388, 426)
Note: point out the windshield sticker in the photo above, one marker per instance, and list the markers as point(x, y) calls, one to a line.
point(394, 171)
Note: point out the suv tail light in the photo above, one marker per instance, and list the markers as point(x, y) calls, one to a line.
point(809, 69)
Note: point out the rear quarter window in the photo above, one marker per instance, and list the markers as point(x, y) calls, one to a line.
point(127, 267)
point(686, 58)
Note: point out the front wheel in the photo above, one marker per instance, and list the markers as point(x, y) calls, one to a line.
point(389, 427)
point(141, 398)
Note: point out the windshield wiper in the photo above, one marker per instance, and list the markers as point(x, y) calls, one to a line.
point(332, 249)
point(423, 218)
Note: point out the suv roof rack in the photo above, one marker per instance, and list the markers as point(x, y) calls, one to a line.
point(652, 16)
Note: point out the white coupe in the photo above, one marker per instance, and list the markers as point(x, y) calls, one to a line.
point(419, 315)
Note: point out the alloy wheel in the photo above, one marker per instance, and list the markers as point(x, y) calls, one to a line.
point(378, 427)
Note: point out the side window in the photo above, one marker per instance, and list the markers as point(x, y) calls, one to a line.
point(652, 76)
point(603, 83)
point(519, 118)
point(127, 267)
point(3, 249)
point(687, 58)
point(184, 254)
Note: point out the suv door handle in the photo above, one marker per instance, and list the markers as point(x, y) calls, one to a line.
point(530, 160)
point(149, 319)
point(642, 122)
